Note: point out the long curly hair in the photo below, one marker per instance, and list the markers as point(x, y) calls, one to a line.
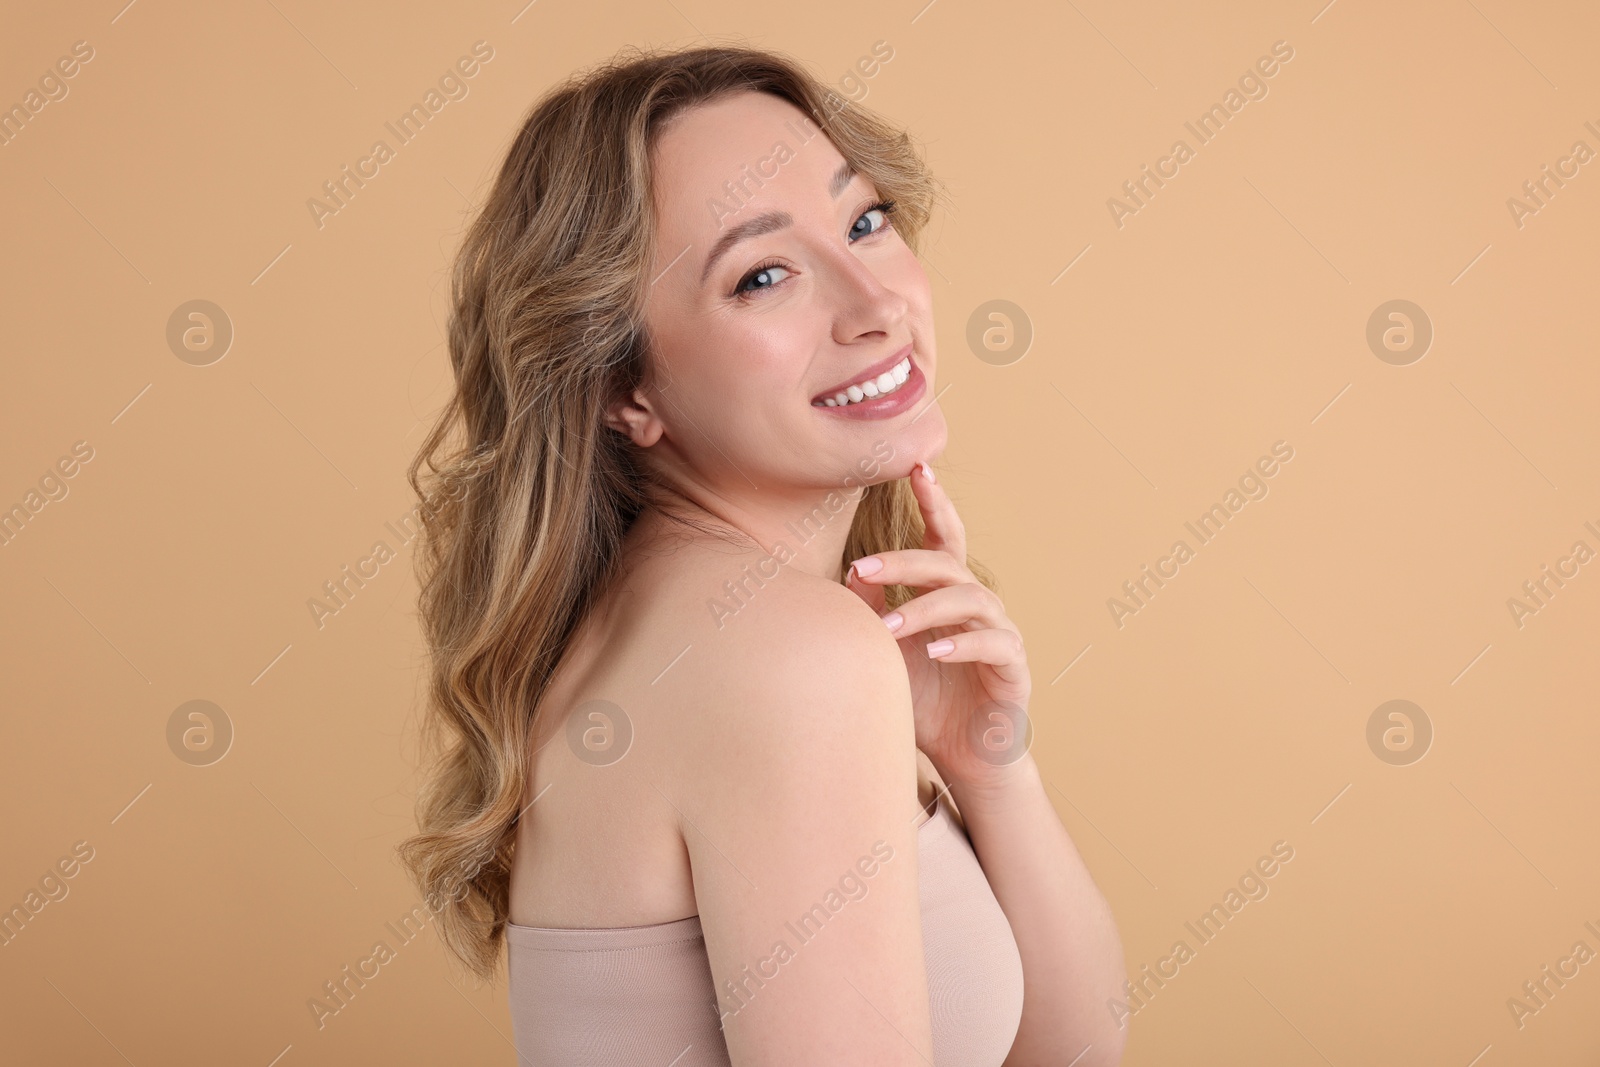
point(527, 494)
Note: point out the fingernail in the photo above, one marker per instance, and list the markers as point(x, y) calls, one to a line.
point(867, 565)
point(927, 472)
point(940, 648)
point(894, 620)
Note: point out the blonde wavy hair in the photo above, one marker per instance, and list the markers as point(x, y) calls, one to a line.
point(528, 494)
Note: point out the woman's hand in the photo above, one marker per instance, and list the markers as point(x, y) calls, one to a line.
point(968, 669)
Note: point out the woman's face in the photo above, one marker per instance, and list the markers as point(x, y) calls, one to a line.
point(776, 283)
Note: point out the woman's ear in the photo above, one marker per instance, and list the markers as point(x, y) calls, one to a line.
point(636, 418)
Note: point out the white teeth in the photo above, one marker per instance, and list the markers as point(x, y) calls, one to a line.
point(887, 382)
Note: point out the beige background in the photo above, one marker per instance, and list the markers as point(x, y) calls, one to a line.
point(1229, 313)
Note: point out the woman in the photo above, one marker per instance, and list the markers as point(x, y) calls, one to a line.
point(726, 801)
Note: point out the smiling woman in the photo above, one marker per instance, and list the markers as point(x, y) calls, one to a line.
point(650, 401)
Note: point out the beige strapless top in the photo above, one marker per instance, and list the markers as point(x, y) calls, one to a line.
point(631, 995)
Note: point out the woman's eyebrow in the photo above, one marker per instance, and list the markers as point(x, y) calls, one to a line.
point(769, 221)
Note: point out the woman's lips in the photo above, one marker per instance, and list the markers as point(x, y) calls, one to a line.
point(886, 406)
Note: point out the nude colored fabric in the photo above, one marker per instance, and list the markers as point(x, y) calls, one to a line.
point(643, 995)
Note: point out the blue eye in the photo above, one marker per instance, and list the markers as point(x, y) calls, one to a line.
point(882, 207)
point(765, 270)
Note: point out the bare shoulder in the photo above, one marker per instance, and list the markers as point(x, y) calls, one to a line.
point(805, 667)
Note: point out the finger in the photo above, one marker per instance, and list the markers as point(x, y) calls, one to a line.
point(921, 567)
point(876, 596)
point(967, 606)
point(945, 529)
point(1000, 650)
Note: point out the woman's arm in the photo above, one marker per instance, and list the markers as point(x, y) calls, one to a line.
point(1072, 959)
point(796, 784)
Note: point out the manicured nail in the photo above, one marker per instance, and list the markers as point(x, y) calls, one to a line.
point(941, 648)
point(894, 620)
point(867, 565)
point(927, 472)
